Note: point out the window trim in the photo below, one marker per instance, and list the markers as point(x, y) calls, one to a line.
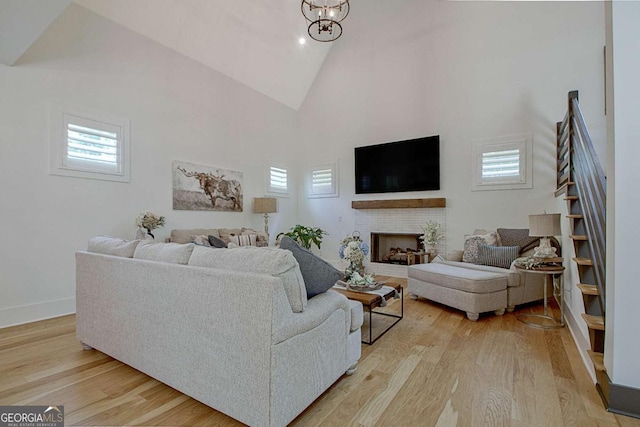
point(333, 191)
point(523, 143)
point(59, 164)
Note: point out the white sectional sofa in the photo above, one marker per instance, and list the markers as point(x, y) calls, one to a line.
point(231, 328)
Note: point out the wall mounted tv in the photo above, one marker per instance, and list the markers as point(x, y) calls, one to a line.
point(412, 165)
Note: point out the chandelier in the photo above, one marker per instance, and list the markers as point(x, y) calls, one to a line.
point(325, 17)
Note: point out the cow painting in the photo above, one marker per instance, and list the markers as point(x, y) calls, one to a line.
point(205, 188)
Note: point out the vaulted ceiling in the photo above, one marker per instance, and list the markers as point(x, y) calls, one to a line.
point(255, 42)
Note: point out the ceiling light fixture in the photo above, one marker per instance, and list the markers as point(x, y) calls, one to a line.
point(325, 17)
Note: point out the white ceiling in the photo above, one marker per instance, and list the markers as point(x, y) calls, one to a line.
point(256, 42)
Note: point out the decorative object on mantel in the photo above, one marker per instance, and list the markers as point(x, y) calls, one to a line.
point(147, 221)
point(305, 236)
point(354, 250)
point(544, 226)
point(265, 205)
point(325, 17)
point(430, 237)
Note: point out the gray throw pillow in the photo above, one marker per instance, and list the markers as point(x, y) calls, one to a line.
point(319, 276)
point(217, 242)
point(497, 256)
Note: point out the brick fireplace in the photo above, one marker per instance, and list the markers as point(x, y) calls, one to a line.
point(402, 218)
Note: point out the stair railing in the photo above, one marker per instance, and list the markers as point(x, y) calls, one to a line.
point(578, 163)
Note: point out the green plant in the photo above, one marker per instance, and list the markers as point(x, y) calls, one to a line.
point(305, 236)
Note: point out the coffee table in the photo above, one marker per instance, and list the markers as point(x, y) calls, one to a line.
point(371, 301)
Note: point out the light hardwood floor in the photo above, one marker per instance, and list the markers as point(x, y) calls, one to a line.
point(434, 368)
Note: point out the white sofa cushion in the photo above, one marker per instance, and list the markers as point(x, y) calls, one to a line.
point(275, 262)
point(458, 277)
point(112, 246)
point(175, 253)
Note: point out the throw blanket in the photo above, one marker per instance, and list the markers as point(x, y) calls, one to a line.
point(520, 237)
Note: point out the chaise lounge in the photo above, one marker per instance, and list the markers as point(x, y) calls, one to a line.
point(481, 278)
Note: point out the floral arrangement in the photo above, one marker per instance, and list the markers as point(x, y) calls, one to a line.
point(430, 236)
point(149, 221)
point(353, 249)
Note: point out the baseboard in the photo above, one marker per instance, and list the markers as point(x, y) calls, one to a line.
point(581, 342)
point(624, 400)
point(33, 312)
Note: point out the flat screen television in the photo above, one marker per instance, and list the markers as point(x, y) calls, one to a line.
point(412, 165)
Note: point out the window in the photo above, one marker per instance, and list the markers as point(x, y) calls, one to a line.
point(503, 163)
point(323, 181)
point(89, 145)
point(278, 179)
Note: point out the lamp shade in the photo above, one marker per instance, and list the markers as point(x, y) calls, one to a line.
point(265, 205)
point(544, 225)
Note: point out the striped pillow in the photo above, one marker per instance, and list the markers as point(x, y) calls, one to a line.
point(244, 239)
point(497, 256)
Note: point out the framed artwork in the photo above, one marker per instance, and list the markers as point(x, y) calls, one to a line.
point(206, 188)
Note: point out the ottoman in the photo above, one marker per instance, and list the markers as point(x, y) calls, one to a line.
point(472, 291)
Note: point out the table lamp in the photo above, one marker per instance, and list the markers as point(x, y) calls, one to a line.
point(265, 205)
point(544, 226)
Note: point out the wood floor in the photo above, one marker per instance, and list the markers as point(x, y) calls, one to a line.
point(434, 368)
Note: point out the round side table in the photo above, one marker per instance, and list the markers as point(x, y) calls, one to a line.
point(554, 278)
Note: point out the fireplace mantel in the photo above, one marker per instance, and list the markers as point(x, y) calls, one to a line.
point(439, 202)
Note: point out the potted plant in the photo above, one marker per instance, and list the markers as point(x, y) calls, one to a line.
point(305, 236)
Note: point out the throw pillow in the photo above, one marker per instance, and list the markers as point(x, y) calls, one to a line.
point(226, 233)
point(319, 276)
point(471, 244)
point(497, 256)
point(262, 239)
point(216, 242)
point(244, 240)
point(202, 240)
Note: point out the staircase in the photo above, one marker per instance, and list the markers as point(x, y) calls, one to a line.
point(582, 182)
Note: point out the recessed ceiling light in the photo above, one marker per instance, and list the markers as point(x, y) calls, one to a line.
point(302, 40)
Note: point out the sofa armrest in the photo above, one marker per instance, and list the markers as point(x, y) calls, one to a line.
point(318, 309)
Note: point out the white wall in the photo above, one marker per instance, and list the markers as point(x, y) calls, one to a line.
point(179, 110)
point(623, 293)
point(469, 70)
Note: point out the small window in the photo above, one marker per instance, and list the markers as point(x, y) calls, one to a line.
point(88, 145)
point(278, 180)
point(502, 163)
point(323, 181)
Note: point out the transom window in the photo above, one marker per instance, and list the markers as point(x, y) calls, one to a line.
point(87, 146)
point(323, 181)
point(502, 163)
point(278, 179)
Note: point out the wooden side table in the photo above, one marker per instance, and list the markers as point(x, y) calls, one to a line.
point(419, 257)
point(370, 301)
point(554, 278)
